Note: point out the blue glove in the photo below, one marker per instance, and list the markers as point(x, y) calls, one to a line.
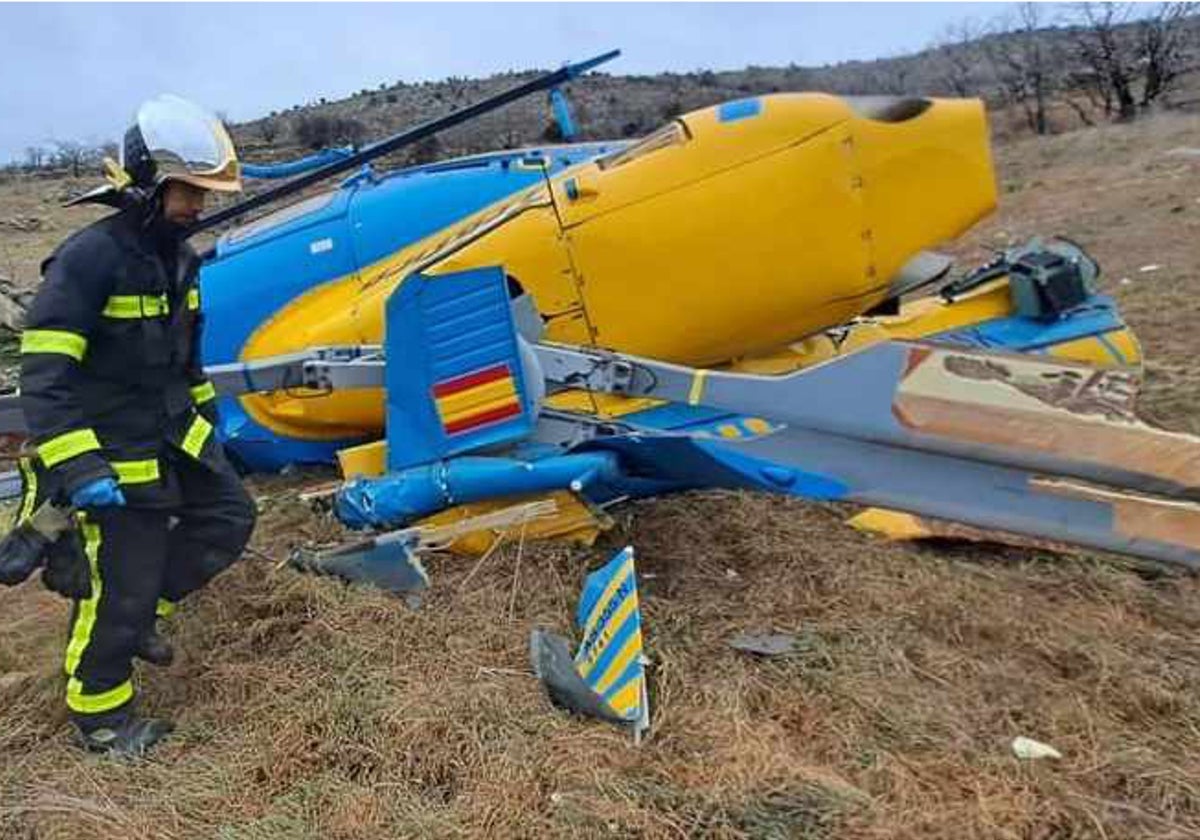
point(103, 492)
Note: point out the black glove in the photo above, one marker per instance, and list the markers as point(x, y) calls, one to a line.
point(67, 569)
point(20, 553)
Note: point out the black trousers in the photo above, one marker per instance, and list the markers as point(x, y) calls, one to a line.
point(144, 560)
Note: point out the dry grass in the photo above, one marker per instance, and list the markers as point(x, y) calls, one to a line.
point(307, 709)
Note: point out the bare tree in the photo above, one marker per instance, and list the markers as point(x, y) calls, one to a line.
point(1164, 40)
point(35, 156)
point(1130, 60)
point(1107, 57)
point(70, 154)
point(957, 58)
point(894, 78)
point(1023, 61)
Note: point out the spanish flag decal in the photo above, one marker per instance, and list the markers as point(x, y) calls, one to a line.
point(477, 399)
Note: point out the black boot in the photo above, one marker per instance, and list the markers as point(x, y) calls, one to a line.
point(154, 649)
point(127, 735)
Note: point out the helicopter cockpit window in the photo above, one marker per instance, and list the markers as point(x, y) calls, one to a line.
point(280, 217)
point(671, 134)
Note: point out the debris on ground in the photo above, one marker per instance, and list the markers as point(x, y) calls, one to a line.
point(388, 561)
point(606, 679)
point(765, 644)
point(1023, 747)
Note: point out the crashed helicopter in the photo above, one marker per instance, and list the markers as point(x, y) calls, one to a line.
point(744, 298)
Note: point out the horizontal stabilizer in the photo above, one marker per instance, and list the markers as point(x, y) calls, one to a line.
point(1025, 444)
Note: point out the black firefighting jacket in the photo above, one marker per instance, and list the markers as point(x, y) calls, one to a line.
point(111, 379)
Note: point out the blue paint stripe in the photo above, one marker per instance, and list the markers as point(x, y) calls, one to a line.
point(607, 608)
point(1112, 349)
point(597, 582)
point(627, 628)
point(1016, 333)
point(739, 109)
point(632, 671)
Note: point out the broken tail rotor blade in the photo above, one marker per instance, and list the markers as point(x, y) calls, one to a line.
point(388, 562)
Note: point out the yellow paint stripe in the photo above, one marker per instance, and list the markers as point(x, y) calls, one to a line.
point(697, 390)
point(1087, 349)
point(85, 616)
point(627, 699)
point(618, 618)
point(466, 413)
point(605, 596)
point(757, 425)
point(488, 392)
point(105, 701)
point(1126, 342)
point(631, 650)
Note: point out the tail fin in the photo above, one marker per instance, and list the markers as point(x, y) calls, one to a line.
point(606, 679)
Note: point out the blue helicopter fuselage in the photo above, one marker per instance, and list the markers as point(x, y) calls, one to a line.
point(258, 268)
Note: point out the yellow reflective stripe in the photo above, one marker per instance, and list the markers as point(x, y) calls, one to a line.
point(193, 299)
point(203, 392)
point(164, 608)
point(54, 341)
point(59, 449)
point(136, 306)
point(92, 704)
point(197, 435)
point(30, 488)
point(85, 615)
point(136, 472)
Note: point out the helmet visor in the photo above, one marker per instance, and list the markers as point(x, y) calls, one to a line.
point(184, 139)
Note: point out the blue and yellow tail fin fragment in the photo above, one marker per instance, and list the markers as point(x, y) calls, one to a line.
point(606, 678)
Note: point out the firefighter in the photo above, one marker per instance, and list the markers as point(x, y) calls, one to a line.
point(123, 419)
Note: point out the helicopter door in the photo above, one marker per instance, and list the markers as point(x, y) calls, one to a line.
point(741, 260)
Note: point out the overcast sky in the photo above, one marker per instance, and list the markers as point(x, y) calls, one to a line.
point(77, 71)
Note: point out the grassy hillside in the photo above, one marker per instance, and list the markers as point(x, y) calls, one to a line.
point(311, 710)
